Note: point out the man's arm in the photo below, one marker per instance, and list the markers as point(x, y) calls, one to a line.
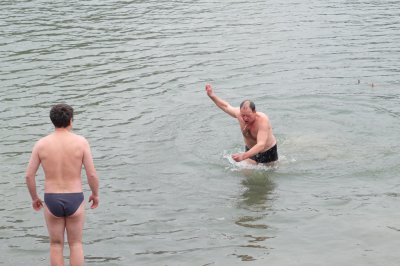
point(33, 166)
point(262, 137)
point(91, 175)
point(224, 106)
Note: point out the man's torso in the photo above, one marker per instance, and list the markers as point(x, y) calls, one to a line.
point(250, 132)
point(61, 156)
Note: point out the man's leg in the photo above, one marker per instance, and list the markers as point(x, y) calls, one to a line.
point(74, 225)
point(56, 228)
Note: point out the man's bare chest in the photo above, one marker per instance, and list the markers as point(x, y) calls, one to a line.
point(249, 132)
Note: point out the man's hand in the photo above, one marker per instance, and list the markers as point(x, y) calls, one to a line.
point(238, 157)
point(37, 204)
point(209, 90)
point(94, 200)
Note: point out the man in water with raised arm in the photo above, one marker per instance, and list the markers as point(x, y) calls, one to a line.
point(256, 128)
point(62, 155)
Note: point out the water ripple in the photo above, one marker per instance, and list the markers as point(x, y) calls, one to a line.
point(327, 74)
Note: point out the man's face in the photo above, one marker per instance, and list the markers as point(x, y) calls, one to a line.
point(247, 115)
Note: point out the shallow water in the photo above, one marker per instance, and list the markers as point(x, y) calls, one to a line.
point(327, 74)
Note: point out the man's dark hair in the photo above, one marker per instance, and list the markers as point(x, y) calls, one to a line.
point(248, 103)
point(61, 115)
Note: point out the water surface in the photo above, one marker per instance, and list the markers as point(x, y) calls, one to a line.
point(327, 74)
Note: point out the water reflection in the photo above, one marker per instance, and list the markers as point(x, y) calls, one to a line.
point(258, 190)
point(256, 200)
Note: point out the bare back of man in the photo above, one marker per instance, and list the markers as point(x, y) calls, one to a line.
point(62, 155)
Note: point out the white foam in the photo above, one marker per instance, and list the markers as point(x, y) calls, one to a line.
point(236, 166)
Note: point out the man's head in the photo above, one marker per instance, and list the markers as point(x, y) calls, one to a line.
point(61, 115)
point(248, 111)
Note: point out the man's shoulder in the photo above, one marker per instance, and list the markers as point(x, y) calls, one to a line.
point(77, 135)
point(51, 137)
point(42, 143)
point(79, 138)
point(43, 140)
point(263, 121)
point(263, 116)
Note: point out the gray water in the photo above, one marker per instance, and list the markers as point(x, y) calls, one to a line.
point(325, 72)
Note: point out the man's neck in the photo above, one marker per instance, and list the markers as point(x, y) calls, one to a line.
point(62, 129)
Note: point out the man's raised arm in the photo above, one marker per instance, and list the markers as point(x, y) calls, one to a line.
point(224, 106)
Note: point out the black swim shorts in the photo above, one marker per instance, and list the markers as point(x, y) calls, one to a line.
point(268, 156)
point(63, 204)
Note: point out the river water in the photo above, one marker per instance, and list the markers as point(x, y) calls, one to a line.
point(327, 73)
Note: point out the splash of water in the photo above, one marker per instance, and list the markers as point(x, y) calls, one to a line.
point(237, 166)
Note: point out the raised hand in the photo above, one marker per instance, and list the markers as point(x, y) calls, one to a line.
point(209, 90)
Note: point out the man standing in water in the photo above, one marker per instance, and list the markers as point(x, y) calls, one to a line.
point(256, 128)
point(62, 155)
